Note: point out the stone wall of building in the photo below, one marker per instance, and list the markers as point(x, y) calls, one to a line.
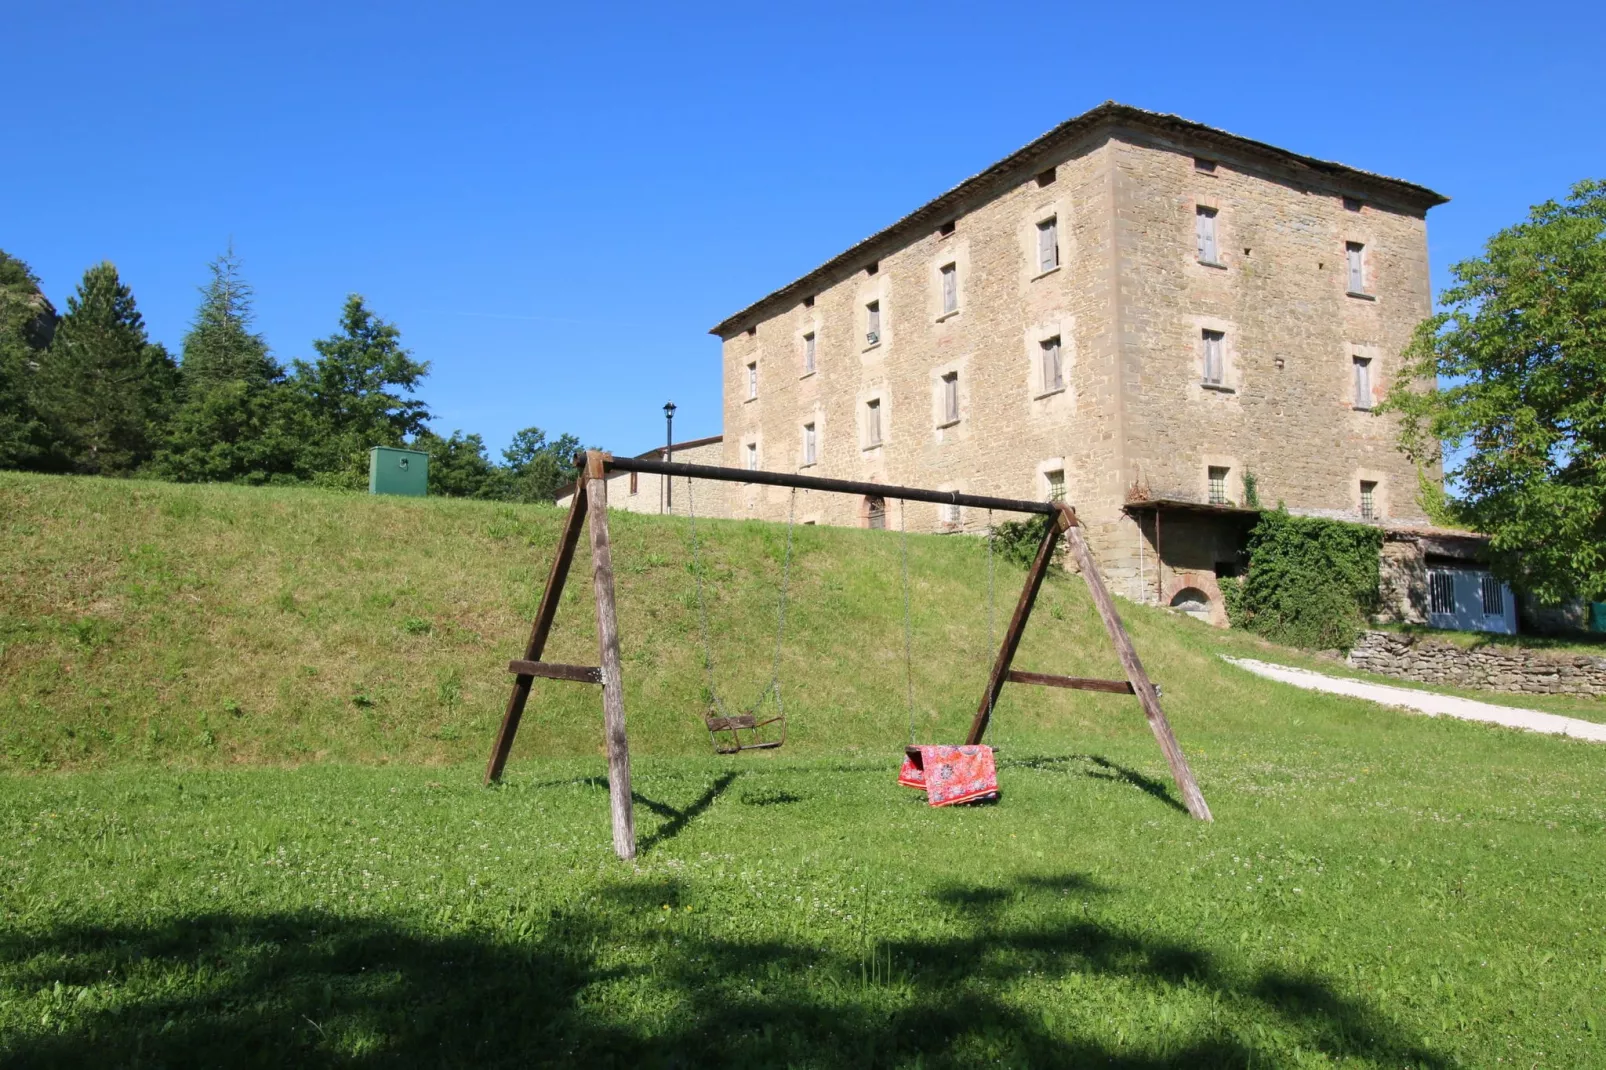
point(1493, 668)
point(1287, 408)
point(642, 492)
point(1128, 301)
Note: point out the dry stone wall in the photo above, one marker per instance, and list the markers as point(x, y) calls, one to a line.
point(1491, 668)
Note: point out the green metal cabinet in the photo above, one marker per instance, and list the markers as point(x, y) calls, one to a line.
point(394, 471)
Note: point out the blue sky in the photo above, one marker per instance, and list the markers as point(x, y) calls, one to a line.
point(556, 203)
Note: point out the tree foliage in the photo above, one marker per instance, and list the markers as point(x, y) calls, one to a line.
point(1310, 583)
point(537, 469)
point(1519, 405)
point(105, 388)
point(220, 346)
point(27, 324)
point(356, 393)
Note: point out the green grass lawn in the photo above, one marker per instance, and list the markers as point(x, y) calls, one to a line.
point(241, 820)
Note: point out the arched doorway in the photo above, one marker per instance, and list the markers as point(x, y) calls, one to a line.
point(1192, 601)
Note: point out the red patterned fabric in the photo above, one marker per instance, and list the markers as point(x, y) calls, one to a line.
point(950, 775)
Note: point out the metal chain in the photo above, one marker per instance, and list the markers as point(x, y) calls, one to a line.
point(992, 614)
point(774, 686)
point(908, 628)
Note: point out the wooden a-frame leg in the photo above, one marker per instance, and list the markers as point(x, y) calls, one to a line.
point(539, 631)
point(1147, 697)
point(1017, 627)
point(613, 694)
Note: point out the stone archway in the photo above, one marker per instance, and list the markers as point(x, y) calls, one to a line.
point(1195, 603)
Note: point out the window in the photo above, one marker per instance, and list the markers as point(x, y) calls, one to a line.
point(873, 267)
point(808, 353)
point(752, 456)
point(1441, 591)
point(950, 288)
point(1368, 500)
point(808, 302)
point(872, 423)
point(1363, 381)
point(1046, 178)
point(1053, 368)
point(1056, 484)
point(752, 380)
point(950, 514)
point(1354, 252)
point(1204, 165)
point(875, 512)
point(1204, 235)
point(808, 444)
point(1351, 204)
point(946, 229)
point(950, 398)
point(1214, 363)
point(633, 476)
point(1494, 597)
point(872, 323)
point(1048, 244)
point(1218, 485)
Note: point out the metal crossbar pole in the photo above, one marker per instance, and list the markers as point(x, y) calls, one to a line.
point(842, 486)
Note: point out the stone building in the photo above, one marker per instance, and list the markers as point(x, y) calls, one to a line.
point(1143, 314)
point(645, 492)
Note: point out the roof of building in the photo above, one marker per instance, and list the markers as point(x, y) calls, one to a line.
point(1108, 113)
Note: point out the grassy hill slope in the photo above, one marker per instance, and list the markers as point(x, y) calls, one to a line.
point(216, 625)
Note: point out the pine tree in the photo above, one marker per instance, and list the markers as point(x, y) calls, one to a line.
point(220, 346)
point(27, 322)
point(106, 388)
point(354, 391)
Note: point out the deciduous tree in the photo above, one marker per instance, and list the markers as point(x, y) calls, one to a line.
point(1519, 406)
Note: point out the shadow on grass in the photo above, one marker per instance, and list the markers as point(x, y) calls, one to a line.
point(612, 984)
point(1102, 769)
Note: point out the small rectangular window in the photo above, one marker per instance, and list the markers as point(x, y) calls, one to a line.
point(1351, 204)
point(808, 353)
point(1441, 591)
point(1494, 597)
point(951, 514)
point(808, 444)
point(873, 267)
point(872, 422)
point(752, 456)
point(1048, 244)
point(808, 302)
point(1218, 485)
point(752, 380)
point(1204, 235)
point(872, 323)
point(1363, 382)
point(946, 229)
point(1368, 500)
point(950, 288)
point(1204, 165)
point(1056, 484)
point(950, 398)
point(1053, 367)
point(1046, 178)
point(1354, 253)
point(1214, 363)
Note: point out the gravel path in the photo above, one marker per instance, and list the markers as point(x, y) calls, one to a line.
point(1428, 702)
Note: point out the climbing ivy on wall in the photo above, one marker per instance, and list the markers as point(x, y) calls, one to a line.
point(1310, 583)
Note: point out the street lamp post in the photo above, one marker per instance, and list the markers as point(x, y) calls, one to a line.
point(667, 497)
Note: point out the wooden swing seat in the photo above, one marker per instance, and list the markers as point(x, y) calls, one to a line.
point(738, 724)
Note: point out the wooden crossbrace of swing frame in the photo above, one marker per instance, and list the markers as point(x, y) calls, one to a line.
point(591, 503)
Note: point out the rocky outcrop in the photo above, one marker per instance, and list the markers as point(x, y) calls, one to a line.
point(1492, 668)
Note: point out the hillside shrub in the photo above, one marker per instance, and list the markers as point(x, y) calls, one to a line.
point(1018, 540)
point(1310, 583)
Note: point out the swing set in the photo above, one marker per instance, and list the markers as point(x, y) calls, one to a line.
point(732, 733)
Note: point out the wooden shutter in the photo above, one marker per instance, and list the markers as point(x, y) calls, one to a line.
point(950, 288)
point(1048, 252)
point(1357, 277)
point(1212, 356)
point(873, 322)
point(1363, 383)
point(1204, 232)
point(950, 397)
